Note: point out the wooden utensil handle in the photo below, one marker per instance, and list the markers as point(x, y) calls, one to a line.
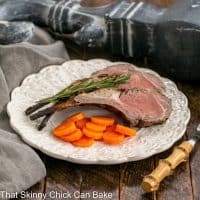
point(165, 167)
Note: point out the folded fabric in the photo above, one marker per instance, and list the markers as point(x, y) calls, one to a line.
point(20, 166)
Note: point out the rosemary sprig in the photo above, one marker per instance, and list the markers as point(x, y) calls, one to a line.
point(84, 85)
point(87, 85)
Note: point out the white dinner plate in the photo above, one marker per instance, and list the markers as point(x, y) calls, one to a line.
point(50, 80)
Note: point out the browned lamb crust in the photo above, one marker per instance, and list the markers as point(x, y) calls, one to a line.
point(141, 107)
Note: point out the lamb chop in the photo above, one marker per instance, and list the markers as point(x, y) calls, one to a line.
point(139, 98)
point(140, 107)
point(138, 79)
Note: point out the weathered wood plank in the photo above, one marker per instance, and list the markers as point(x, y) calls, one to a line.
point(63, 179)
point(193, 93)
point(81, 181)
point(178, 185)
point(36, 192)
point(100, 180)
point(131, 175)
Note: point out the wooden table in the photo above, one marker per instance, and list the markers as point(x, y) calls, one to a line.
point(123, 181)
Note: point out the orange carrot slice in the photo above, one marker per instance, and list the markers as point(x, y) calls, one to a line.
point(92, 134)
point(81, 123)
point(64, 129)
point(84, 142)
point(76, 135)
point(111, 128)
point(112, 138)
point(106, 121)
point(76, 117)
point(125, 130)
point(95, 127)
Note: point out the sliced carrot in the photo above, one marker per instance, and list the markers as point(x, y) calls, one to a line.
point(125, 130)
point(113, 138)
point(76, 135)
point(64, 129)
point(92, 134)
point(82, 131)
point(81, 123)
point(76, 117)
point(111, 128)
point(103, 120)
point(84, 142)
point(61, 126)
point(95, 127)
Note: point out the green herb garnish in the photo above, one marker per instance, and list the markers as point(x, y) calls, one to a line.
point(87, 85)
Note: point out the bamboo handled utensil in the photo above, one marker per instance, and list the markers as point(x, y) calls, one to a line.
point(165, 167)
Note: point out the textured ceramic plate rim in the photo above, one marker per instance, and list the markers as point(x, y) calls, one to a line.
point(98, 161)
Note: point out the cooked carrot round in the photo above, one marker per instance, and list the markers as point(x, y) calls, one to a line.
point(125, 130)
point(110, 128)
point(81, 123)
point(106, 121)
point(84, 142)
point(76, 135)
point(82, 131)
point(95, 127)
point(64, 129)
point(112, 138)
point(76, 117)
point(92, 134)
